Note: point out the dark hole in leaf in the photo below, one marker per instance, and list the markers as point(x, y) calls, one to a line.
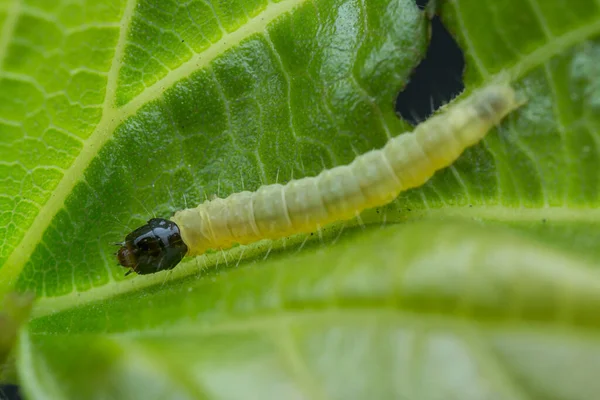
point(9, 392)
point(421, 3)
point(436, 80)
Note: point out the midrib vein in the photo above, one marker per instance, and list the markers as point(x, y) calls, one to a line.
point(112, 117)
point(323, 312)
point(517, 214)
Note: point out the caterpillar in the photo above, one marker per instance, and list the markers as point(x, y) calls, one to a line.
point(304, 205)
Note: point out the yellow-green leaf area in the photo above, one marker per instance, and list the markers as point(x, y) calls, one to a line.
point(52, 88)
point(286, 89)
point(433, 304)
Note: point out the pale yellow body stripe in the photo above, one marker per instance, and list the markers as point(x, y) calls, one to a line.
point(406, 161)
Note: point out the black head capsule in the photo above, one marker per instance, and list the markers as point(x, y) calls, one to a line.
point(153, 247)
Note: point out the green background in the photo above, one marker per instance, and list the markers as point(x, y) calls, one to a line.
point(480, 284)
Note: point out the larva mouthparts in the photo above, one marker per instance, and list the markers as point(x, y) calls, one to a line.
point(373, 179)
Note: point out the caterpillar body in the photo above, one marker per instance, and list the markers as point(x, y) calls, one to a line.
point(273, 211)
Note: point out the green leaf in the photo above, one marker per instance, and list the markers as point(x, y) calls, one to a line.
point(482, 283)
point(147, 118)
point(14, 313)
point(431, 309)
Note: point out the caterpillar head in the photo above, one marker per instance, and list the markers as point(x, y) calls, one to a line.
point(153, 247)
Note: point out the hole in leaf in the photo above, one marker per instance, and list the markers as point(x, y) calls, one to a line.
point(436, 80)
point(10, 392)
point(421, 3)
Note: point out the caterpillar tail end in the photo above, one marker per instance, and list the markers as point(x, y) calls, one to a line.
point(496, 101)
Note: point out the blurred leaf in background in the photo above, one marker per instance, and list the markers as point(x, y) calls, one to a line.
point(14, 312)
point(480, 284)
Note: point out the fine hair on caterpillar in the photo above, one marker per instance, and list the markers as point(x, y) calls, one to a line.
point(304, 205)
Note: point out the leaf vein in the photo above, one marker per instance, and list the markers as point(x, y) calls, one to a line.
point(8, 29)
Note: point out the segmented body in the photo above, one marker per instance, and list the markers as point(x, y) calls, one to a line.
point(372, 179)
